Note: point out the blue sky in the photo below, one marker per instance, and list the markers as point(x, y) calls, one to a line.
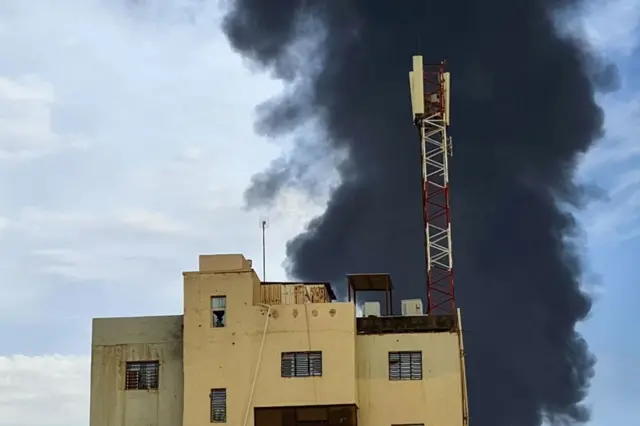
point(125, 144)
point(612, 223)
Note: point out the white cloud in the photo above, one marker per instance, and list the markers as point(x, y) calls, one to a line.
point(47, 390)
point(610, 26)
point(168, 110)
point(126, 142)
point(613, 28)
point(4, 223)
point(622, 125)
point(152, 222)
point(613, 164)
point(25, 118)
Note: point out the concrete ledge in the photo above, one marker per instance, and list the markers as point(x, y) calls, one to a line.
point(124, 331)
point(223, 262)
point(403, 324)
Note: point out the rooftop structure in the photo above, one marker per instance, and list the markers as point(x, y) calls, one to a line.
point(246, 352)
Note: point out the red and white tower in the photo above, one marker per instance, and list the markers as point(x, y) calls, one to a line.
point(430, 86)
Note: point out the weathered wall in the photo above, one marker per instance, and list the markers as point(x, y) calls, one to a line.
point(118, 340)
point(292, 294)
point(435, 400)
point(227, 357)
point(355, 367)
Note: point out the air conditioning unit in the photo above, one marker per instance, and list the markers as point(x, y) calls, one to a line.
point(412, 307)
point(371, 309)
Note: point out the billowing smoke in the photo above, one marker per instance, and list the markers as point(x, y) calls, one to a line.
point(523, 111)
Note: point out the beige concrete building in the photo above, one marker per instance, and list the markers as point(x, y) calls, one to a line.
point(277, 354)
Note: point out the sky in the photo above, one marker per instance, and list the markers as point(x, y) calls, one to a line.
point(126, 141)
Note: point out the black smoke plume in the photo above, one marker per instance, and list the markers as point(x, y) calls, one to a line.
point(523, 111)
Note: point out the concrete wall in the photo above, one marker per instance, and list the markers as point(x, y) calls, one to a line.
point(228, 357)
point(118, 340)
point(435, 400)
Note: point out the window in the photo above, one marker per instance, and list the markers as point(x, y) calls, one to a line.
point(218, 405)
point(327, 415)
point(218, 311)
point(142, 375)
point(301, 364)
point(405, 365)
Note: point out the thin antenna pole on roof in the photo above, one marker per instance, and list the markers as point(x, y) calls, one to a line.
point(264, 224)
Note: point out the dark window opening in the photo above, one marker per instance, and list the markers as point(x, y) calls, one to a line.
point(405, 365)
point(301, 364)
point(218, 311)
point(142, 375)
point(333, 415)
point(218, 405)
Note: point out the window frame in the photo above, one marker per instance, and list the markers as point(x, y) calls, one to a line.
point(218, 309)
point(221, 394)
point(295, 362)
point(147, 375)
point(417, 375)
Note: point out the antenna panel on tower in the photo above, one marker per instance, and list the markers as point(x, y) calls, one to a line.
point(446, 77)
point(416, 85)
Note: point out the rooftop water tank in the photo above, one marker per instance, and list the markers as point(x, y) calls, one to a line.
point(412, 307)
point(371, 309)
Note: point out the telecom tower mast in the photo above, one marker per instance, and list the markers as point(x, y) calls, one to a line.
point(429, 85)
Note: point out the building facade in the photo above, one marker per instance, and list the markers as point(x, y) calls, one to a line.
point(276, 354)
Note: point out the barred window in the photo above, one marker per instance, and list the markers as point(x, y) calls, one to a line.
point(301, 364)
point(405, 365)
point(218, 405)
point(142, 375)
